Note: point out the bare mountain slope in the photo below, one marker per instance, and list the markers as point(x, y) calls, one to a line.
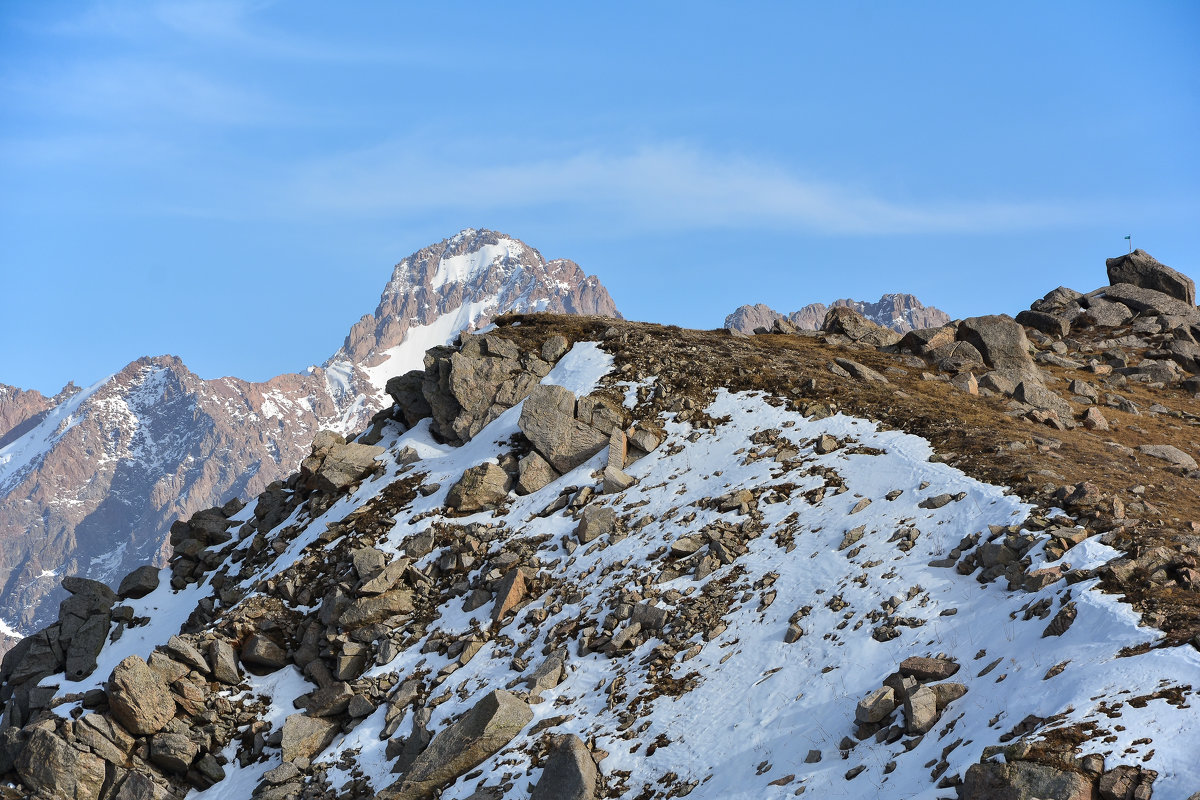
point(91, 480)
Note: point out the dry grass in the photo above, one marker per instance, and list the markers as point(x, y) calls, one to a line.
point(973, 433)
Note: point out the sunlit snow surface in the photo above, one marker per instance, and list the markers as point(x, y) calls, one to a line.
point(761, 701)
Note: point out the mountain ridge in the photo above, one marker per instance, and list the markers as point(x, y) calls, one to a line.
point(96, 497)
point(897, 311)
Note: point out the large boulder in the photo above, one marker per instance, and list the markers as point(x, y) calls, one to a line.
point(1142, 269)
point(305, 736)
point(548, 421)
point(346, 464)
point(1023, 780)
point(1149, 301)
point(138, 699)
point(1000, 340)
point(481, 487)
point(855, 326)
point(481, 732)
point(405, 390)
point(139, 583)
point(569, 773)
point(53, 768)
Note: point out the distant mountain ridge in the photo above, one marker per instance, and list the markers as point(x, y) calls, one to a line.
point(900, 312)
point(91, 479)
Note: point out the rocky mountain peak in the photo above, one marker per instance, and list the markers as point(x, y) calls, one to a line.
point(900, 312)
point(91, 479)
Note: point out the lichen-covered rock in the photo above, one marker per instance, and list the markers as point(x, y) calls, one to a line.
point(569, 773)
point(138, 699)
point(1023, 780)
point(491, 724)
point(548, 421)
point(481, 487)
point(305, 736)
point(53, 768)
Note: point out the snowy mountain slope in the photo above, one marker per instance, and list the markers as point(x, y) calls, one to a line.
point(900, 312)
point(91, 480)
point(724, 614)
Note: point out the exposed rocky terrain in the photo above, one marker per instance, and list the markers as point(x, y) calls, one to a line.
point(587, 558)
point(900, 312)
point(91, 480)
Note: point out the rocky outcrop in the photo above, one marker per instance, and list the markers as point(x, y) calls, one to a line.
point(897, 312)
point(1142, 269)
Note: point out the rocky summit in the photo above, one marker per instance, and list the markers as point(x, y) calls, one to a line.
point(898, 312)
point(92, 479)
point(579, 557)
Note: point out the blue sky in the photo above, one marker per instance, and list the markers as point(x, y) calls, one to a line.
point(232, 181)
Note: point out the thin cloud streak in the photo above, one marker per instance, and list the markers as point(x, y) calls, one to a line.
point(667, 186)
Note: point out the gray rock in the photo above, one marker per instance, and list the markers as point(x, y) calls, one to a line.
point(140, 786)
point(595, 521)
point(875, 706)
point(554, 348)
point(922, 340)
point(548, 674)
point(616, 481)
point(10, 748)
point(1106, 314)
point(185, 653)
point(86, 644)
point(329, 701)
point(139, 583)
point(548, 421)
point(1038, 396)
point(346, 464)
point(1169, 453)
point(481, 487)
point(920, 710)
point(961, 353)
point(173, 752)
point(535, 473)
point(305, 736)
point(485, 729)
point(206, 772)
point(849, 323)
point(386, 578)
point(1054, 325)
point(1023, 780)
point(1149, 301)
point(369, 610)
point(106, 739)
point(261, 652)
point(52, 768)
point(928, 669)
point(368, 562)
point(1000, 341)
point(405, 391)
point(650, 618)
point(860, 371)
point(224, 662)
point(360, 707)
point(138, 699)
point(88, 588)
point(1142, 269)
point(946, 693)
point(569, 773)
point(1057, 301)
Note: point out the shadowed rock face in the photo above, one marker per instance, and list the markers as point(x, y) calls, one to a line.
point(95, 477)
point(900, 312)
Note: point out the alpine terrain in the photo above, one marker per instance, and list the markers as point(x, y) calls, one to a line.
point(579, 557)
point(91, 480)
point(900, 312)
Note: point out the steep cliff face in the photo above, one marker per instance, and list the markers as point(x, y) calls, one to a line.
point(90, 480)
point(900, 312)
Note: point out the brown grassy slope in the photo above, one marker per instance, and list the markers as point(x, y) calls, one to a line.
point(973, 433)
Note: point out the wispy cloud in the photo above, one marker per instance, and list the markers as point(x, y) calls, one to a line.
point(237, 25)
point(672, 186)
